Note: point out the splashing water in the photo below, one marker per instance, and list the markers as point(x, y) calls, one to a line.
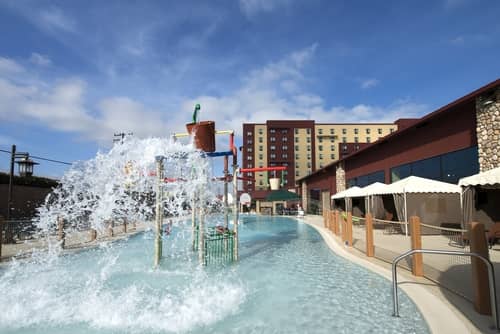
point(122, 183)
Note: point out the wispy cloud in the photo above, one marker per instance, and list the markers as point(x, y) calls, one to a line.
point(63, 105)
point(9, 66)
point(55, 19)
point(253, 7)
point(39, 59)
point(369, 83)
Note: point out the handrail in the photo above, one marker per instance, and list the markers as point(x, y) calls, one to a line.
point(389, 221)
point(489, 265)
point(449, 229)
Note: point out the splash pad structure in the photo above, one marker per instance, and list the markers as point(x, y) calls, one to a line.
point(219, 244)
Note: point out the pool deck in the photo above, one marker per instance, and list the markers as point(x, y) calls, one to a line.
point(444, 311)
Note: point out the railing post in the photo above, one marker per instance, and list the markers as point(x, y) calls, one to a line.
point(336, 223)
point(124, 225)
point(349, 229)
point(370, 249)
point(92, 234)
point(480, 285)
point(332, 221)
point(61, 235)
point(2, 221)
point(326, 223)
point(416, 243)
point(110, 224)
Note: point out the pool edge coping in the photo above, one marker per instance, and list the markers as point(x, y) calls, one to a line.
point(440, 314)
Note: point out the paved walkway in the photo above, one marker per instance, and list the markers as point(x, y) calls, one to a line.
point(456, 314)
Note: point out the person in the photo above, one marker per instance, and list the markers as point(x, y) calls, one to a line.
point(168, 227)
point(300, 212)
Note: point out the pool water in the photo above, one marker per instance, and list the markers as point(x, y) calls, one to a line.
point(287, 281)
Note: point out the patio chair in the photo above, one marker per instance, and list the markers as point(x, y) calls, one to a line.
point(493, 235)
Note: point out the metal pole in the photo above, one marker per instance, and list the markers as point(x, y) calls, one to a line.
point(159, 211)
point(491, 275)
point(235, 209)
point(8, 231)
point(226, 208)
point(193, 221)
point(406, 215)
point(201, 237)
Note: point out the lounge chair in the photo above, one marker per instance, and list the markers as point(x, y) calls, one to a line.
point(493, 234)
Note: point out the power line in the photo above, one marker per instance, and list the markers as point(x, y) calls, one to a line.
point(45, 159)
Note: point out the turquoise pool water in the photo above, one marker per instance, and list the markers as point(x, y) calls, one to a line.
point(287, 281)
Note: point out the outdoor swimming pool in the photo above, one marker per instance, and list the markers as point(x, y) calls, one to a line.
point(287, 281)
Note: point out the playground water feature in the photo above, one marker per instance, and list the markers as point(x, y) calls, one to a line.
point(287, 280)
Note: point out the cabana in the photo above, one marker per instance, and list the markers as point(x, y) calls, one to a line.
point(433, 201)
point(347, 196)
point(481, 198)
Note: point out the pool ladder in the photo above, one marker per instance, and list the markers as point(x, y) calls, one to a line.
point(489, 265)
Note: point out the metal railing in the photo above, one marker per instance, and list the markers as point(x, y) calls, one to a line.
point(489, 265)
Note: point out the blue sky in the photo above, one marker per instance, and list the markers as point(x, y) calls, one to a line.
point(72, 73)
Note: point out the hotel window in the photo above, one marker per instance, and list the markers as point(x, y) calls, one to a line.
point(308, 147)
point(320, 147)
point(249, 174)
point(379, 130)
point(272, 139)
point(308, 131)
point(297, 157)
point(308, 139)
point(296, 139)
point(344, 148)
point(344, 139)
point(356, 147)
point(296, 147)
point(250, 165)
point(296, 131)
point(332, 140)
point(250, 141)
point(356, 139)
point(297, 173)
point(332, 156)
point(284, 131)
point(332, 131)
point(261, 165)
point(249, 182)
point(284, 156)
point(261, 148)
point(249, 133)
point(344, 131)
point(320, 131)
point(260, 131)
point(249, 157)
point(261, 183)
point(368, 140)
point(260, 140)
point(249, 149)
point(367, 131)
point(320, 139)
point(272, 131)
point(392, 130)
point(261, 156)
point(332, 148)
point(321, 157)
point(297, 165)
point(308, 157)
point(308, 165)
point(284, 139)
point(273, 156)
point(356, 131)
point(272, 147)
point(285, 147)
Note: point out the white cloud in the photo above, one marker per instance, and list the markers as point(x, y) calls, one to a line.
point(55, 19)
point(39, 59)
point(63, 105)
point(9, 66)
point(369, 83)
point(253, 7)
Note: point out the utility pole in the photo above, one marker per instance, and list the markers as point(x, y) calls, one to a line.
point(119, 137)
point(8, 231)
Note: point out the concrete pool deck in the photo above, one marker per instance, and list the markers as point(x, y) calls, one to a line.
point(444, 311)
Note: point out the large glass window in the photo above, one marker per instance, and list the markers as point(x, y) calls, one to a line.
point(458, 164)
point(400, 172)
point(449, 167)
point(364, 180)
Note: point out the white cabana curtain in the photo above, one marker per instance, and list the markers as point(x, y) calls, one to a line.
point(468, 205)
point(399, 203)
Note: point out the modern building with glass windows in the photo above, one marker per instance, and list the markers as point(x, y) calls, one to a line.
point(457, 140)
